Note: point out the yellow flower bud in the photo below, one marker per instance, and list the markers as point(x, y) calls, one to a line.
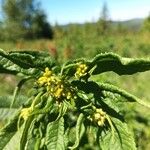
point(81, 70)
point(69, 95)
point(47, 72)
point(100, 122)
point(97, 116)
point(25, 113)
point(58, 93)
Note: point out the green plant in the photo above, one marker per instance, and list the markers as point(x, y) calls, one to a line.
point(66, 109)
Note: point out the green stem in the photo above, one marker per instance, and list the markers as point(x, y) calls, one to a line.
point(36, 100)
point(23, 140)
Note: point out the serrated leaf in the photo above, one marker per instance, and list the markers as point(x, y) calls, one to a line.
point(129, 97)
point(120, 65)
point(110, 62)
point(25, 62)
point(31, 59)
point(6, 66)
point(92, 87)
point(122, 139)
point(55, 135)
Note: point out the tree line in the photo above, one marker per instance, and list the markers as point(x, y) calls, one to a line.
point(24, 19)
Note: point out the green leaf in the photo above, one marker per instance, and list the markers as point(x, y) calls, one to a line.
point(109, 62)
point(8, 131)
point(5, 101)
point(26, 62)
point(96, 89)
point(55, 135)
point(29, 59)
point(79, 131)
point(7, 113)
point(122, 139)
point(123, 93)
point(6, 66)
point(13, 143)
point(120, 65)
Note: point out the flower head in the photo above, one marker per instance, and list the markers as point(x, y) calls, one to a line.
point(99, 117)
point(81, 70)
point(46, 78)
point(56, 86)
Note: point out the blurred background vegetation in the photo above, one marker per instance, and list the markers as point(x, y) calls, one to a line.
point(25, 27)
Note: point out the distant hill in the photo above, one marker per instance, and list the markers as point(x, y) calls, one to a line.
point(133, 24)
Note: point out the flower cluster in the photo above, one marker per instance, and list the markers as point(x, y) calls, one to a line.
point(57, 87)
point(47, 78)
point(81, 70)
point(99, 117)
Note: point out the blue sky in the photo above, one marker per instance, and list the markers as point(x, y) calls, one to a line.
point(70, 11)
point(80, 11)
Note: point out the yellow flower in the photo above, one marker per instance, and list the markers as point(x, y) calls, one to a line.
point(47, 73)
point(81, 70)
point(25, 113)
point(46, 78)
point(100, 122)
point(42, 80)
point(55, 85)
point(99, 117)
point(58, 92)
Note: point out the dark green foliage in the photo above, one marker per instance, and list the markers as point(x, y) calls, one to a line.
point(25, 62)
point(121, 66)
point(24, 19)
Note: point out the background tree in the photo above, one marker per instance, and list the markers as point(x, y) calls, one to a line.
point(103, 23)
point(24, 19)
point(40, 27)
